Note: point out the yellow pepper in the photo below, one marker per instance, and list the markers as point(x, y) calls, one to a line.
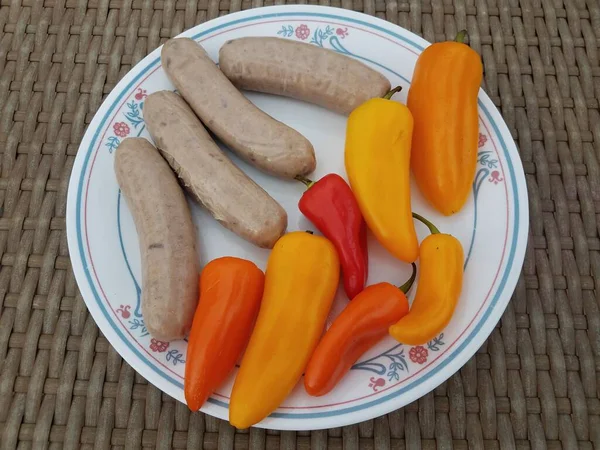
point(301, 279)
point(378, 139)
point(438, 291)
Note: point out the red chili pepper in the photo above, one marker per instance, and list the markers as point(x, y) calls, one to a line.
point(330, 205)
point(363, 323)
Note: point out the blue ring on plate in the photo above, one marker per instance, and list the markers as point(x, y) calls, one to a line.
point(324, 413)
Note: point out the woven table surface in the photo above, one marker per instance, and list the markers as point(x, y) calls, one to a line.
point(534, 384)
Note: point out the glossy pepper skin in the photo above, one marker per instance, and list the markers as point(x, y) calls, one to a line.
point(363, 323)
point(230, 294)
point(300, 283)
point(330, 205)
point(443, 102)
point(377, 157)
point(438, 291)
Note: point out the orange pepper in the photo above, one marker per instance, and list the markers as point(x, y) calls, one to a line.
point(438, 291)
point(303, 273)
point(443, 102)
point(230, 293)
point(363, 323)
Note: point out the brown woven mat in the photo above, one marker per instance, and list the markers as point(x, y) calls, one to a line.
point(534, 384)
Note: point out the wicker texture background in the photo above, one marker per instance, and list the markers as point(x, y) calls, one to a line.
point(533, 385)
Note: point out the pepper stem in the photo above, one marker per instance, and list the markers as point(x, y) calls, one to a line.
point(406, 286)
point(307, 181)
point(422, 219)
point(388, 96)
point(461, 36)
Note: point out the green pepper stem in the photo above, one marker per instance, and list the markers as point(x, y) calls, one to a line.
point(406, 286)
point(461, 36)
point(388, 96)
point(307, 181)
point(422, 219)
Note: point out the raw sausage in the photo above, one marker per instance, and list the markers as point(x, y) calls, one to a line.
point(254, 135)
point(167, 238)
point(236, 201)
point(302, 71)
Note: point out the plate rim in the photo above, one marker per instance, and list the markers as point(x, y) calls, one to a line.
point(387, 403)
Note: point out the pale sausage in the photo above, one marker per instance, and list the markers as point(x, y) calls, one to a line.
point(236, 201)
point(301, 71)
point(167, 238)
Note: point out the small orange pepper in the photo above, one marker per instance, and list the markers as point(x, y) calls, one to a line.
point(363, 323)
point(443, 102)
point(230, 293)
point(438, 291)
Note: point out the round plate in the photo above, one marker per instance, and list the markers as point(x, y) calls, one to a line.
point(492, 227)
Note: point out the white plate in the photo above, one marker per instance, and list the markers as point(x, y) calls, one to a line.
point(492, 227)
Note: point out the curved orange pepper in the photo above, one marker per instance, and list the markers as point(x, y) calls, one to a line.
point(443, 102)
point(303, 273)
point(363, 323)
point(438, 291)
